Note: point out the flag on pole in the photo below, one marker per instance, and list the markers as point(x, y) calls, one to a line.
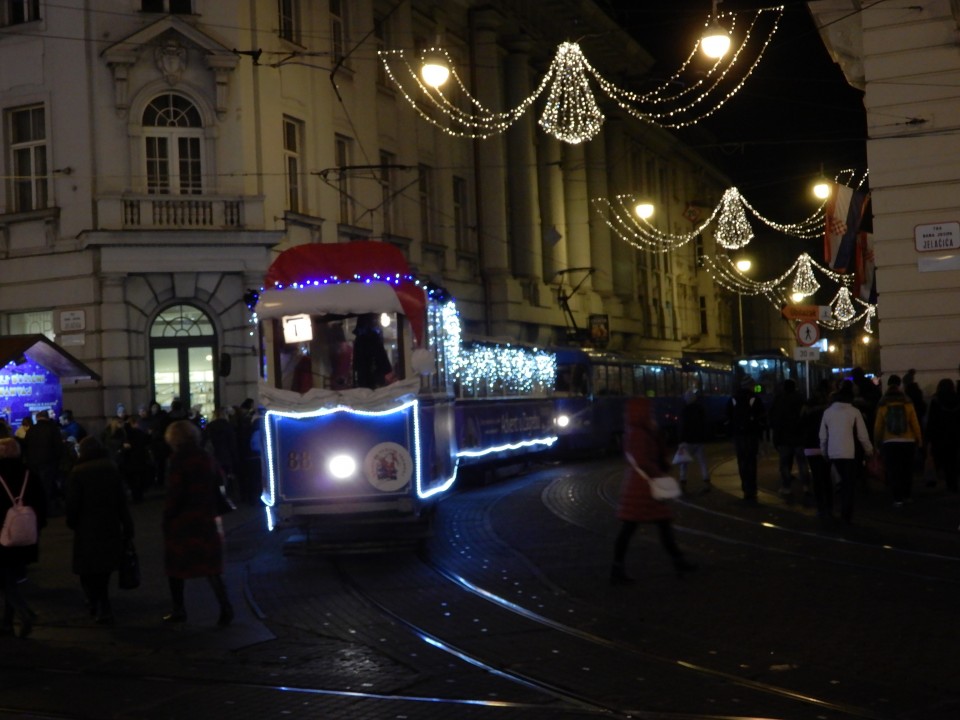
point(844, 213)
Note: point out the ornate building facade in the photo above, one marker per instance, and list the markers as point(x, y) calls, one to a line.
point(158, 154)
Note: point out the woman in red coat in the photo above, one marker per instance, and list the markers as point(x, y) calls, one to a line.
point(642, 441)
point(192, 532)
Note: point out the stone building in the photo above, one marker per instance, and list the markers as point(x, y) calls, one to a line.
point(158, 153)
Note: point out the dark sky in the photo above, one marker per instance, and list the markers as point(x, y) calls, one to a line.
point(794, 113)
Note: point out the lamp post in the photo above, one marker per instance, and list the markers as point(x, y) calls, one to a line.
point(743, 265)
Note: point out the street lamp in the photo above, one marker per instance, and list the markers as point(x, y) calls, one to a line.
point(743, 265)
point(821, 187)
point(434, 70)
point(715, 41)
point(644, 209)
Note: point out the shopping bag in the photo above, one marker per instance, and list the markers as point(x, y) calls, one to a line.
point(664, 487)
point(682, 455)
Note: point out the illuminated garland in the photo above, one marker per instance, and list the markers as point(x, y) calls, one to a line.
point(571, 113)
point(504, 369)
point(732, 230)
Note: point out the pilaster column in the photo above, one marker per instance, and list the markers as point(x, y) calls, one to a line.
point(599, 231)
point(623, 255)
point(577, 211)
point(552, 210)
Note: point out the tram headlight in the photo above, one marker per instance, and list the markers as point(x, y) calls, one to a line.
point(342, 467)
point(562, 421)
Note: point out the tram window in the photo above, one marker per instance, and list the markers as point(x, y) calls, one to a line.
point(572, 379)
point(600, 373)
point(639, 380)
point(613, 380)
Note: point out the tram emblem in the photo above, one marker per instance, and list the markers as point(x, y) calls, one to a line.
point(388, 466)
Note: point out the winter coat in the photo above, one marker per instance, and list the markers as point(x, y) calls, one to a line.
point(693, 423)
point(943, 421)
point(894, 396)
point(746, 413)
point(97, 512)
point(643, 441)
point(192, 533)
point(842, 425)
point(785, 419)
point(13, 472)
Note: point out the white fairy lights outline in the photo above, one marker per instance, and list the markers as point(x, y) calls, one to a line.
point(732, 232)
point(571, 113)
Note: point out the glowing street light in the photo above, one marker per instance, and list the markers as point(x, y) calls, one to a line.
point(715, 41)
point(743, 265)
point(434, 70)
point(644, 209)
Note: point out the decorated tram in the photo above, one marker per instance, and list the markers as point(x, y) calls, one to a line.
point(371, 399)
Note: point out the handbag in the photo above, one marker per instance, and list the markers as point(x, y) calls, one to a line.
point(20, 524)
point(662, 487)
point(682, 455)
point(128, 578)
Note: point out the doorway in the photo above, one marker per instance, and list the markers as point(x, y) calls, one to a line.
point(183, 346)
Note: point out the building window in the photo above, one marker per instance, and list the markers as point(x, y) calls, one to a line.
point(460, 229)
point(381, 38)
point(173, 135)
point(28, 158)
point(698, 245)
point(174, 7)
point(703, 315)
point(38, 322)
point(292, 153)
point(344, 151)
point(290, 20)
point(424, 193)
point(338, 30)
point(16, 12)
point(387, 161)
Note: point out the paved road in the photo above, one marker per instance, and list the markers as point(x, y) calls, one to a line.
point(862, 621)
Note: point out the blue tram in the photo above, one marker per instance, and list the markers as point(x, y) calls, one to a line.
point(371, 399)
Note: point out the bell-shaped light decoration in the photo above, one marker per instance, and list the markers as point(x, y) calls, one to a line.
point(733, 230)
point(804, 283)
point(434, 71)
point(843, 306)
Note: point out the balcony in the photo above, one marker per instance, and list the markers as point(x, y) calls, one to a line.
point(180, 212)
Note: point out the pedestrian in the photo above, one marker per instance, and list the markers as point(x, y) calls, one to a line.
point(747, 418)
point(693, 434)
point(811, 416)
point(644, 446)
point(943, 432)
point(912, 390)
point(69, 427)
point(221, 440)
point(14, 560)
point(97, 512)
point(25, 424)
point(192, 532)
point(787, 438)
point(896, 431)
point(135, 465)
point(43, 447)
point(841, 428)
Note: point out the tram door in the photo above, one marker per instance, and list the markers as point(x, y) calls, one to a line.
point(183, 349)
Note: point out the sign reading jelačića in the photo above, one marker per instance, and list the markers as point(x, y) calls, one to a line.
point(806, 313)
point(937, 237)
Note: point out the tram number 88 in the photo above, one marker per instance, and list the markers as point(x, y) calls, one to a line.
point(298, 460)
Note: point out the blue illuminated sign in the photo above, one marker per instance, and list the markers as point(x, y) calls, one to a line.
point(26, 389)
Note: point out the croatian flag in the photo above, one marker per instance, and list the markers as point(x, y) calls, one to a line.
point(844, 213)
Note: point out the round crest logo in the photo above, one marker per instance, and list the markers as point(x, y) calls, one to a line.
point(388, 466)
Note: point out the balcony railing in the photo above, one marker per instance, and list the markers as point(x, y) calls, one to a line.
point(174, 212)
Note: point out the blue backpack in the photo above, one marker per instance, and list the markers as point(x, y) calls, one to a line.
point(895, 423)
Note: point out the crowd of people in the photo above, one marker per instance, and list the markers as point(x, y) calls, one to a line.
point(58, 469)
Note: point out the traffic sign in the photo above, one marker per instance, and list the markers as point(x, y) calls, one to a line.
point(806, 353)
point(806, 313)
point(808, 333)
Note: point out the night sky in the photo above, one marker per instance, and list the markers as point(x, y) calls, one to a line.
point(795, 112)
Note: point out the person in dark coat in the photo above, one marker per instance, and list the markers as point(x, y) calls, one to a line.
point(787, 439)
point(14, 560)
point(811, 415)
point(748, 420)
point(943, 432)
point(192, 532)
point(222, 439)
point(644, 447)
point(694, 432)
point(97, 512)
point(371, 366)
point(135, 464)
point(43, 447)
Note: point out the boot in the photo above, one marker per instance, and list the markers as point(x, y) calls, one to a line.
point(618, 576)
point(226, 609)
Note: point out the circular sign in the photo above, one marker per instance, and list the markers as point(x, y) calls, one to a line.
point(808, 333)
point(388, 466)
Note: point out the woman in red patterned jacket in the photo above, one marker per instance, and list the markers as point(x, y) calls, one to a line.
point(642, 441)
point(192, 532)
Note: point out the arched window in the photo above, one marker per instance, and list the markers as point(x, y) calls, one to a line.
point(183, 348)
point(173, 133)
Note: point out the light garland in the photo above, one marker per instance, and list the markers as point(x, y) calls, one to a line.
point(733, 229)
point(804, 283)
point(492, 369)
point(571, 113)
point(842, 305)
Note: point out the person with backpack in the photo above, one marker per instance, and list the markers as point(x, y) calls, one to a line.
point(748, 419)
point(896, 430)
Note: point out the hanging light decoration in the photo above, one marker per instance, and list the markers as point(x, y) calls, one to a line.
point(843, 305)
point(733, 230)
point(571, 113)
point(804, 283)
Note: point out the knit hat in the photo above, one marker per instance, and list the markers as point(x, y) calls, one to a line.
point(9, 448)
point(893, 381)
